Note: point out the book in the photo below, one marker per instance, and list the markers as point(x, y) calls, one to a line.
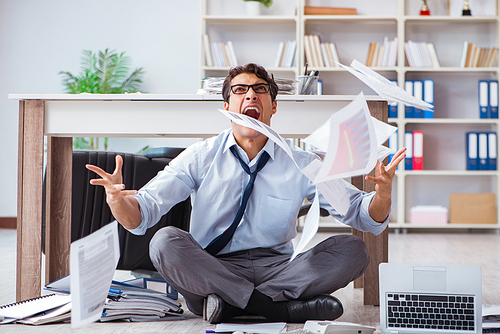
point(483, 95)
point(471, 141)
point(317, 51)
point(308, 50)
point(335, 54)
point(428, 97)
point(29, 307)
point(371, 51)
point(433, 55)
point(207, 50)
point(493, 99)
point(279, 55)
point(409, 150)
point(492, 151)
point(155, 284)
point(314, 10)
point(418, 150)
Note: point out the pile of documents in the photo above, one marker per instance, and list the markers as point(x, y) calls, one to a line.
point(131, 303)
point(213, 85)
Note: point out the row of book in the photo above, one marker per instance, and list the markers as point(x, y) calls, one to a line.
point(474, 56)
point(481, 150)
point(382, 55)
point(219, 53)
point(320, 54)
point(422, 89)
point(414, 143)
point(488, 98)
point(421, 54)
point(286, 54)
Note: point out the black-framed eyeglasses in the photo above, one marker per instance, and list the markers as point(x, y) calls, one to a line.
point(259, 88)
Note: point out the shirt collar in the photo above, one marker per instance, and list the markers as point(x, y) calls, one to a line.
point(268, 147)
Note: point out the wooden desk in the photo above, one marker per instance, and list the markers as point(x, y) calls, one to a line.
point(59, 117)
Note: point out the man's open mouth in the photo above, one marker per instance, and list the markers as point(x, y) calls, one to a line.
point(252, 112)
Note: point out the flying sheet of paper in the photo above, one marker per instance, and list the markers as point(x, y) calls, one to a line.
point(333, 190)
point(310, 229)
point(320, 138)
point(93, 261)
point(352, 148)
point(267, 131)
point(383, 87)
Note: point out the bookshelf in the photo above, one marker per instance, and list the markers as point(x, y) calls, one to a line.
point(455, 87)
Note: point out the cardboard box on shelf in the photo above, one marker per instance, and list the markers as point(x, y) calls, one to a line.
point(479, 208)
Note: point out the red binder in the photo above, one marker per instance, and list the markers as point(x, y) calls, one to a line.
point(418, 150)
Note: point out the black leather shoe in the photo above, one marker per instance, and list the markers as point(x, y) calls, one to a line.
point(213, 309)
point(321, 307)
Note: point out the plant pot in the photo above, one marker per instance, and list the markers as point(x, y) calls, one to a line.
point(253, 8)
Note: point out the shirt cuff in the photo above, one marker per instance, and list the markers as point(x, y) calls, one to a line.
point(141, 229)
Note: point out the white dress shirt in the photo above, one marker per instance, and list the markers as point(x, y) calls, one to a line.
point(209, 173)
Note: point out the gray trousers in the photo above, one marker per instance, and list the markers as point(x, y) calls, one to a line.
point(195, 274)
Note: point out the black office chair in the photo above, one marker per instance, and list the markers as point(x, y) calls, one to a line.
point(90, 210)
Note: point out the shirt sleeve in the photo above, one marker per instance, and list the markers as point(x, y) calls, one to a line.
point(172, 185)
point(358, 215)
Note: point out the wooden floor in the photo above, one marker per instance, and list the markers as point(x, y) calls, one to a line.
point(476, 248)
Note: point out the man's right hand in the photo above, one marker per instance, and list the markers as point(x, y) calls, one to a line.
point(112, 183)
point(124, 208)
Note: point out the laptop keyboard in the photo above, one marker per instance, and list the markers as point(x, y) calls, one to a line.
point(452, 312)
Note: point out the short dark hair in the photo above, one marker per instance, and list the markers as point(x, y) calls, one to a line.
point(252, 68)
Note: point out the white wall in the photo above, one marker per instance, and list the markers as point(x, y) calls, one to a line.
point(40, 38)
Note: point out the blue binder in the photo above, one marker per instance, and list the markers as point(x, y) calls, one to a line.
point(483, 95)
point(493, 98)
point(393, 107)
point(409, 150)
point(418, 92)
point(472, 147)
point(482, 150)
point(429, 96)
point(409, 89)
point(492, 151)
point(393, 145)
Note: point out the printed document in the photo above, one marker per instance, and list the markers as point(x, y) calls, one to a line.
point(93, 261)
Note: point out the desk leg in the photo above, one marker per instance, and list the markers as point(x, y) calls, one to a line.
point(377, 245)
point(29, 198)
point(58, 207)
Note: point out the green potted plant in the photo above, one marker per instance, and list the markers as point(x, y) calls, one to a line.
point(105, 72)
point(253, 7)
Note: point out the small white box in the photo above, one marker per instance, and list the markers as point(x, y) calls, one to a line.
point(429, 215)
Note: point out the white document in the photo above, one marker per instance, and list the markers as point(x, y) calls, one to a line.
point(320, 138)
point(310, 227)
point(264, 328)
point(93, 261)
point(352, 148)
point(256, 125)
point(383, 87)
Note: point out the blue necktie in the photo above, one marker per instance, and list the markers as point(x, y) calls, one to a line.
point(216, 245)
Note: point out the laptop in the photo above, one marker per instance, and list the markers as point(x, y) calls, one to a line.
point(418, 298)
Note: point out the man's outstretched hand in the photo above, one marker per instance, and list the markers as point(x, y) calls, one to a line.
point(112, 183)
point(124, 207)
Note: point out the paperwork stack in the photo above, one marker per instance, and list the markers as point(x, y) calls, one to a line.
point(130, 303)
